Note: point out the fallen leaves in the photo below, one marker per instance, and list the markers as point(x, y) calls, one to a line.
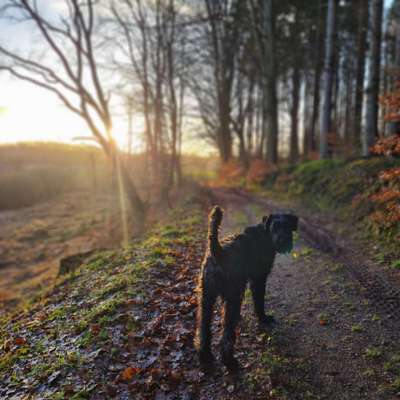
point(19, 341)
point(128, 373)
point(95, 329)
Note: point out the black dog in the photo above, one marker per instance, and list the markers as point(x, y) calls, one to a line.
point(226, 269)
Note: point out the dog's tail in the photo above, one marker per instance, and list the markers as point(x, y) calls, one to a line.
point(214, 223)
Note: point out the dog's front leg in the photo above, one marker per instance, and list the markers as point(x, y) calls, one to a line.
point(257, 285)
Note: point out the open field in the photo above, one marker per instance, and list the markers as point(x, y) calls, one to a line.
point(34, 239)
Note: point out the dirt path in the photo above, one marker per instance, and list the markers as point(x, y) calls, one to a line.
point(117, 334)
point(337, 316)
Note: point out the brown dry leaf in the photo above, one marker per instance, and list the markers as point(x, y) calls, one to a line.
point(95, 329)
point(193, 301)
point(155, 325)
point(128, 373)
point(19, 341)
point(323, 322)
point(132, 302)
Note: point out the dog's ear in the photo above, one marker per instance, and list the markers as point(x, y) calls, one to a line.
point(293, 222)
point(267, 219)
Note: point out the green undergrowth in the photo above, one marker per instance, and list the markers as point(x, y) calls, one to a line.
point(345, 188)
point(64, 329)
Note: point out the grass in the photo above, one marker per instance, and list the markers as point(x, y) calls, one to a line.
point(334, 186)
point(323, 318)
point(395, 264)
point(81, 310)
point(356, 328)
point(373, 353)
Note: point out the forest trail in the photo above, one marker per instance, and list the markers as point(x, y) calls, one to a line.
point(337, 314)
point(123, 326)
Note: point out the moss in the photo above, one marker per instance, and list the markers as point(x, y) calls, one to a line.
point(95, 294)
point(373, 352)
point(356, 328)
point(57, 313)
point(395, 385)
point(115, 284)
point(10, 358)
point(274, 363)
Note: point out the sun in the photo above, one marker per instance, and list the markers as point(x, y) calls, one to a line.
point(28, 113)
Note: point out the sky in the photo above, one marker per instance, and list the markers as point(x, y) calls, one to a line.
point(28, 113)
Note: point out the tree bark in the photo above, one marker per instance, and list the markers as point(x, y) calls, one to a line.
point(326, 121)
point(359, 90)
point(294, 115)
point(372, 106)
point(270, 85)
point(312, 142)
point(394, 127)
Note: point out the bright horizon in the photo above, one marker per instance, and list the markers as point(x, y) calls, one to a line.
point(29, 113)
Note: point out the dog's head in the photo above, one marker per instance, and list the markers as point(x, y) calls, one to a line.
point(281, 227)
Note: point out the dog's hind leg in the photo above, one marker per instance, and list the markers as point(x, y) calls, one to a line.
point(257, 286)
point(205, 314)
point(231, 319)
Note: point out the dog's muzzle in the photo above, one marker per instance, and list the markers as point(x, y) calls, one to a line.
point(285, 247)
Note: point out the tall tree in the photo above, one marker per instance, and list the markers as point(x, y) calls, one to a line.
point(224, 21)
point(394, 127)
point(326, 119)
point(296, 84)
point(70, 71)
point(263, 16)
point(362, 29)
point(152, 52)
point(372, 105)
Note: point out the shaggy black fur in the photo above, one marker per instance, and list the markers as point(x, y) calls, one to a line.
point(226, 269)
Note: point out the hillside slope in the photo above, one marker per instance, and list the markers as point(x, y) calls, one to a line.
point(356, 192)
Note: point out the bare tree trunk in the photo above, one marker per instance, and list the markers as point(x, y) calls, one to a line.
point(372, 106)
point(317, 78)
point(306, 115)
point(224, 131)
point(348, 108)
point(138, 206)
point(359, 90)
point(270, 85)
point(294, 115)
point(250, 119)
point(326, 121)
point(394, 127)
point(259, 142)
point(224, 42)
point(75, 78)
